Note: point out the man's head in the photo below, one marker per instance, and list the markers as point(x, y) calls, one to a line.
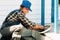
point(25, 6)
point(24, 9)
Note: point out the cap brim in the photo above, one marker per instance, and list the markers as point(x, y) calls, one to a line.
point(30, 10)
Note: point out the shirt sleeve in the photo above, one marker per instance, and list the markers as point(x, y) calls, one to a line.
point(25, 22)
point(13, 16)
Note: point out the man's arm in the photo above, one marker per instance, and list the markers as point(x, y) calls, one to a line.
point(28, 24)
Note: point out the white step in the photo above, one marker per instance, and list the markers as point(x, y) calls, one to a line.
point(52, 36)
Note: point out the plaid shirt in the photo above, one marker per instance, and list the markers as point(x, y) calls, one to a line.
point(17, 17)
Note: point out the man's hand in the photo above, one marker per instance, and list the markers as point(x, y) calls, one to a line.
point(37, 27)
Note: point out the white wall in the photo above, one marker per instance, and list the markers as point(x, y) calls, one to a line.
point(47, 11)
point(59, 18)
point(7, 6)
point(59, 12)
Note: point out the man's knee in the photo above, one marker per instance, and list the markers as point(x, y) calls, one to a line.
point(5, 31)
point(15, 27)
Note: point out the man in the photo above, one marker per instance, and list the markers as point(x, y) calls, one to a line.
point(18, 16)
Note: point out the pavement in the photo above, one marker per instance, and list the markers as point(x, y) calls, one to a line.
point(52, 36)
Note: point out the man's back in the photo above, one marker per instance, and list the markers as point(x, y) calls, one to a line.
point(7, 22)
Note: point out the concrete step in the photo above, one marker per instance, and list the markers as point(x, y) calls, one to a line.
point(52, 36)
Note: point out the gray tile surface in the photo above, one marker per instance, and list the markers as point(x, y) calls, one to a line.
point(34, 34)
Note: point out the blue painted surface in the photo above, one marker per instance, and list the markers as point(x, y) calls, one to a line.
point(52, 11)
point(42, 12)
point(24, 0)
